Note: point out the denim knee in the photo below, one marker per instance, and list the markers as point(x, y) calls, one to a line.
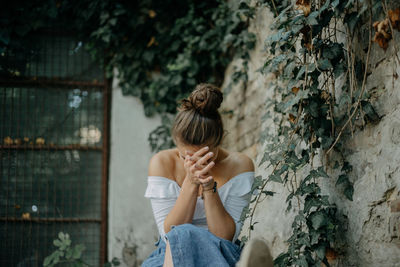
point(184, 229)
point(186, 226)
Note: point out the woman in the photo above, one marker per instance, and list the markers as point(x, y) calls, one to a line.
point(198, 189)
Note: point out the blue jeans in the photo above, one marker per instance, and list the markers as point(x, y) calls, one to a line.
point(192, 246)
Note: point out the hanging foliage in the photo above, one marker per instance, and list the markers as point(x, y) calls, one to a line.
point(308, 59)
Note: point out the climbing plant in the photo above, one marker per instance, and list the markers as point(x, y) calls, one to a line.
point(312, 50)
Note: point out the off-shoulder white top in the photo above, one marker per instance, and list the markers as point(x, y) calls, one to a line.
point(234, 194)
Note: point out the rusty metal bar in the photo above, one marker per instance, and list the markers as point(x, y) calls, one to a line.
point(50, 147)
point(105, 169)
point(45, 82)
point(44, 220)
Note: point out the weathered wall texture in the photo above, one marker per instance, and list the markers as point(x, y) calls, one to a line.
point(131, 227)
point(374, 152)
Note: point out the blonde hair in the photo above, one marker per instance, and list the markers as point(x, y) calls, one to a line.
point(198, 121)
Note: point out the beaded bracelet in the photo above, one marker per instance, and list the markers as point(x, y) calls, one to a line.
point(214, 189)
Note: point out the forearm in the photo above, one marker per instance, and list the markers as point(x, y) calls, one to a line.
point(219, 222)
point(184, 207)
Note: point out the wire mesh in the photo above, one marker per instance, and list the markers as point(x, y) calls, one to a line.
point(52, 149)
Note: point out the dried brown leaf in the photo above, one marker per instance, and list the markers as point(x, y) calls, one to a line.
point(295, 90)
point(394, 17)
point(292, 118)
point(305, 6)
point(382, 33)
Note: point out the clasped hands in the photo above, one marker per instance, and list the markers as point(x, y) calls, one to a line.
point(197, 167)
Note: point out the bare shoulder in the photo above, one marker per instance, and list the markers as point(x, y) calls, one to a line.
point(162, 163)
point(242, 162)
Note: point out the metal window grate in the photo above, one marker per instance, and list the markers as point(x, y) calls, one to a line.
point(53, 152)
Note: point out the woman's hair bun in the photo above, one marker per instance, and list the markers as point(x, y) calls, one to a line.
point(206, 98)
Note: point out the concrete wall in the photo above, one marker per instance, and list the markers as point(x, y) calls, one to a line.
point(131, 227)
point(372, 234)
point(374, 153)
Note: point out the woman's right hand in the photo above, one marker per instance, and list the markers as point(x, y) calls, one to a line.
point(197, 166)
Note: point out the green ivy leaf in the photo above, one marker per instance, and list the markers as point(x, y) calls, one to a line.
point(371, 114)
point(268, 193)
point(309, 203)
point(314, 236)
point(301, 261)
point(304, 240)
point(281, 260)
point(115, 261)
point(348, 191)
point(265, 157)
point(320, 251)
point(324, 64)
point(289, 207)
point(252, 226)
point(321, 172)
point(290, 196)
point(318, 219)
point(327, 141)
point(275, 178)
point(335, 3)
point(257, 182)
point(343, 178)
point(336, 165)
point(311, 20)
point(351, 19)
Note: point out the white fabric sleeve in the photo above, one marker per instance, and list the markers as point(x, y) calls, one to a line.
point(163, 194)
point(239, 197)
point(161, 208)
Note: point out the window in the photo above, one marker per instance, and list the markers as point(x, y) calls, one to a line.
point(53, 151)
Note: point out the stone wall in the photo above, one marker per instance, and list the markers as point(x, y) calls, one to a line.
point(372, 227)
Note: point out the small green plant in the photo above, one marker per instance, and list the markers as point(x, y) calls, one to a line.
point(68, 255)
point(65, 253)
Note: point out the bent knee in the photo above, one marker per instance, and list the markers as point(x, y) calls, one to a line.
point(185, 228)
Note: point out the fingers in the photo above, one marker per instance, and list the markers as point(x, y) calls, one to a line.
point(188, 158)
point(200, 152)
point(206, 181)
point(196, 165)
point(205, 158)
point(196, 169)
point(200, 160)
point(206, 168)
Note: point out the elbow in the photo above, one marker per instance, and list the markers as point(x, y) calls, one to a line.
point(167, 227)
point(229, 232)
point(228, 236)
point(232, 234)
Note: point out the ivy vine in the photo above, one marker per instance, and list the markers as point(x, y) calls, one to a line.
point(308, 57)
